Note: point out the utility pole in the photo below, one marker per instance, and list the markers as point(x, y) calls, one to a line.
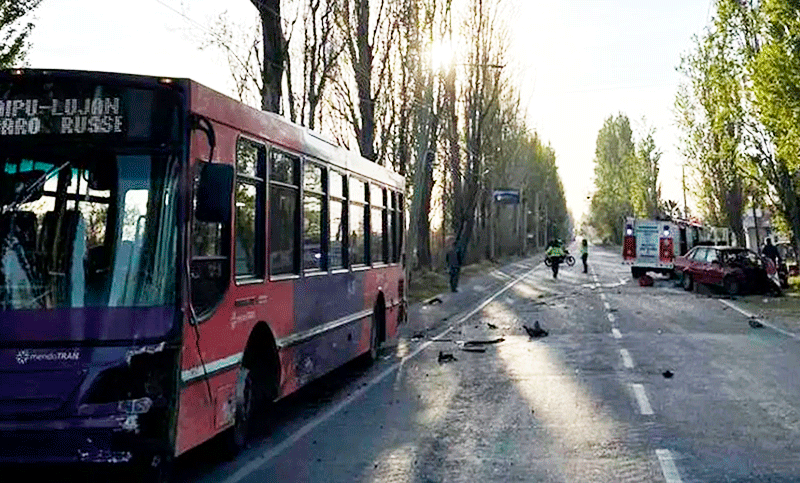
point(524, 226)
point(683, 181)
point(491, 222)
point(755, 225)
point(536, 219)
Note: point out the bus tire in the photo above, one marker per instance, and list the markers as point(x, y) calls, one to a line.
point(235, 438)
point(372, 354)
point(377, 329)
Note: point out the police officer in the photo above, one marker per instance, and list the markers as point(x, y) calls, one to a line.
point(556, 254)
point(454, 261)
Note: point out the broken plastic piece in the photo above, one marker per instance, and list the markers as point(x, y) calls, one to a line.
point(135, 406)
point(145, 349)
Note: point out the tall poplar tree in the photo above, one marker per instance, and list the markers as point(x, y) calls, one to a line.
point(14, 31)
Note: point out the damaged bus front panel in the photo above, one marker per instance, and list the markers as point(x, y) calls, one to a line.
point(89, 272)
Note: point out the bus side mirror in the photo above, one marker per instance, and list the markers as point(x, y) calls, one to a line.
point(214, 193)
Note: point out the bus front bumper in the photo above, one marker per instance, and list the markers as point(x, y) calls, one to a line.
point(109, 440)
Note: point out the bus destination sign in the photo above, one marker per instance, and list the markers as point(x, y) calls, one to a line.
point(31, 116)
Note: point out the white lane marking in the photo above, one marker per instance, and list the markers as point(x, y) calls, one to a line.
point(668, 466)
point(616, 333)
point(641, 399)
point(753, 316)
point(611, 317)
point(627, 361)
point(271, 453)
point(606, 305)
point(602, 296)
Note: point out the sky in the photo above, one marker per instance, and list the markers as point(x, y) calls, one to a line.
point(576, 62)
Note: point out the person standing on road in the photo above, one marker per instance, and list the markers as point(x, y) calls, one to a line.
point(555, 254)
point(771, 251)
point(454, 261)
point(585, 255)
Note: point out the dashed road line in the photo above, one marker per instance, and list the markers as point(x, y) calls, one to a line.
point(602, 296)
point(606, 305)
point(668, 467)
point(641, 398)
point(616, 333)
point(627, 361)
point(764, 322)
point(611, 317)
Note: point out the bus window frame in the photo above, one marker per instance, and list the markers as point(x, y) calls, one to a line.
point(382, 207)
point(324, 216)
point(365, 207)
point(344, 200)
point(261, 231)
point(298, 217)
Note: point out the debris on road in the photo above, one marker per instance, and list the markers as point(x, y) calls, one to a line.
point(473, 343)
point(536, 331)
point(491, 325)
point(446, 357)
point(754, 323)
point(418, 335)
point(468, 348)
point(667, 374)
point(434, 301)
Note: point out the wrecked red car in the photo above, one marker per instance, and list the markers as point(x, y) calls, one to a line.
point(735, 270)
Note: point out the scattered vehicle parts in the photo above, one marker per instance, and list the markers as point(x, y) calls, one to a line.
point(445, 357)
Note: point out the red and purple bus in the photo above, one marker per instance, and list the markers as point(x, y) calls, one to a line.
point(172, 261)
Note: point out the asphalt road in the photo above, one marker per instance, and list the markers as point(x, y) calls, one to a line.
point(588, 402)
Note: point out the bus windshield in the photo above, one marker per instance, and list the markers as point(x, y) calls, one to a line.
point(97, 229)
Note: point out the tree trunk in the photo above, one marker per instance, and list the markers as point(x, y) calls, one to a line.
point(274, 53)
point(363, 74)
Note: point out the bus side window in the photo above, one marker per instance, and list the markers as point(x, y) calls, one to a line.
point(359, 212)
point(284, 213)
point(315, 250)
point(401, 227)
point(250, 210)
point(337, 221)
point(210, 265)
point(377, 230)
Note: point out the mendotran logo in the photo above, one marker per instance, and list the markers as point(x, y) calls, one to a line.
point(24, 356)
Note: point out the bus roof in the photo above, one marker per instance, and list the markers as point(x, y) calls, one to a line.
point(280, 132)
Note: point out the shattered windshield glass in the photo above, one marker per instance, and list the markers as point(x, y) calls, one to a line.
point(95, 229)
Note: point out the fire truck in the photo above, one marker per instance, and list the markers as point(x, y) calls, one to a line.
point(652, 245)
point(649, 246)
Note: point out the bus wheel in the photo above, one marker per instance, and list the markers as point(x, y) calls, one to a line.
point(235, 438)
point(373, 337)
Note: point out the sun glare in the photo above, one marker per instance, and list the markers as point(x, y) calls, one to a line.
point(442, 55)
